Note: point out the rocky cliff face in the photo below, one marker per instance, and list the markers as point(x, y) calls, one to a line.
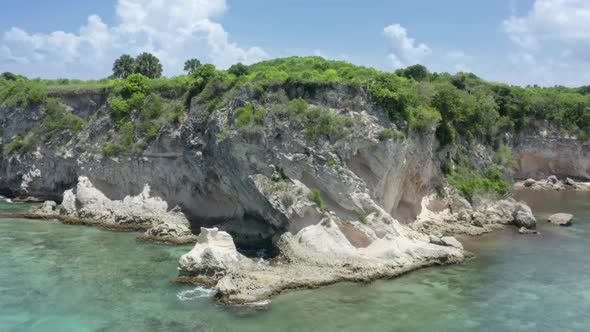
point(205, 165)
point(541, 152)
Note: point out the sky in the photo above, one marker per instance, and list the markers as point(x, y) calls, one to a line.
point(544, 42)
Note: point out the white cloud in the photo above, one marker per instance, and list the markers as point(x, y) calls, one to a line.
point(552, 42)
point(173, 30)
point(403, 50)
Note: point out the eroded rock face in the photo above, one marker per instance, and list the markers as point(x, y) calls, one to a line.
point(561, 219)
point(212, 257)
point(85, 202)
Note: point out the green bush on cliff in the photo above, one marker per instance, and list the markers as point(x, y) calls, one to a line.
point(22, 92)
point(247, 115)
point(387, 134)
point(470, 183)
point(316, 196)
point(23, 142)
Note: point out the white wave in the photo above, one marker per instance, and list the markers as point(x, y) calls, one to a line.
point(258, 304)
point(198, 292)
point(7, 200)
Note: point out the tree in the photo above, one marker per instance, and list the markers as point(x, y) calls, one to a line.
point(124, 66)
point(238, 69)
point(148, 65)
point(417, 72)
point(191, 65)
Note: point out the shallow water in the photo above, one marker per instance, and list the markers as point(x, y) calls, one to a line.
point(55, 277)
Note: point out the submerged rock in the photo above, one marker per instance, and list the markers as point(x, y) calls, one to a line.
point(524, 230)
point(561, 219)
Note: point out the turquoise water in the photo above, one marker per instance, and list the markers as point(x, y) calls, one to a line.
point(55, 277)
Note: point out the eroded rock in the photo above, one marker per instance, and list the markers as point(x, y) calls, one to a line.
point(561, 219)
point(212, 257)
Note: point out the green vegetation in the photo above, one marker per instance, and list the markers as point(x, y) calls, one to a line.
point(248, 115)
point(191, 65)
point(472, 183)
point(145, 64)
point(22, 143)
point(387, 134)
point(57, 120)
point(316, 196)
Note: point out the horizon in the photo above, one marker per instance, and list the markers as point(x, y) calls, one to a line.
point(541, 42)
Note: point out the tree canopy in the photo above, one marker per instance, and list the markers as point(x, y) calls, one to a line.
point(191, 65)
point(148, 65)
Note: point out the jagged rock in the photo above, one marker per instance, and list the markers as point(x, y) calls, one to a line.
point(524, 230)
point(451, 242)
point(172, 227)
point(459, 203)
point(561, 219)
point(529, 182)
point(214, 254)
point(68, 204)
point(48, 208)
point(569, 182)
point(552, 179)
point(524, 217)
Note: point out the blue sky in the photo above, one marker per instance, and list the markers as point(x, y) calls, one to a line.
point(514, 41)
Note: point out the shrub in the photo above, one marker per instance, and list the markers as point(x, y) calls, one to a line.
point(424, 117)
point(470, 183)
point(297, 106)
point(387, 134)
point(316, 196)
point(120, 108)
point(503, 157)
point(113, 150)
point(23, 142)
point(246, 115)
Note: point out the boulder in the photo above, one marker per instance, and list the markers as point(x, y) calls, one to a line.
point(561, 219)
point(48, 208)
point(68, 204)
point(450, 241)
point(529, 182)
point(523, 216)
point(172, 225)
point(552, 179)
point(214, 254)
point(569, 182)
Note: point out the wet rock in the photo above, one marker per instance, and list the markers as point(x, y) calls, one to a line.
point(524, 217)
point(529, 182)
point(214, 254)
point(561, 219)
point(172, 227)
point(552, 179)
point(524, 230)
point(451, 242)
point(48, 208)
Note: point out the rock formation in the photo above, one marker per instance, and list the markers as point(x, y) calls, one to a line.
point(561, 219)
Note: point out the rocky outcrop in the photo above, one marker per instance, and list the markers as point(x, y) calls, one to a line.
point(87, 205)
point(482, 218)
point(561, 219)
point(553, 183)
point(212, 257)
